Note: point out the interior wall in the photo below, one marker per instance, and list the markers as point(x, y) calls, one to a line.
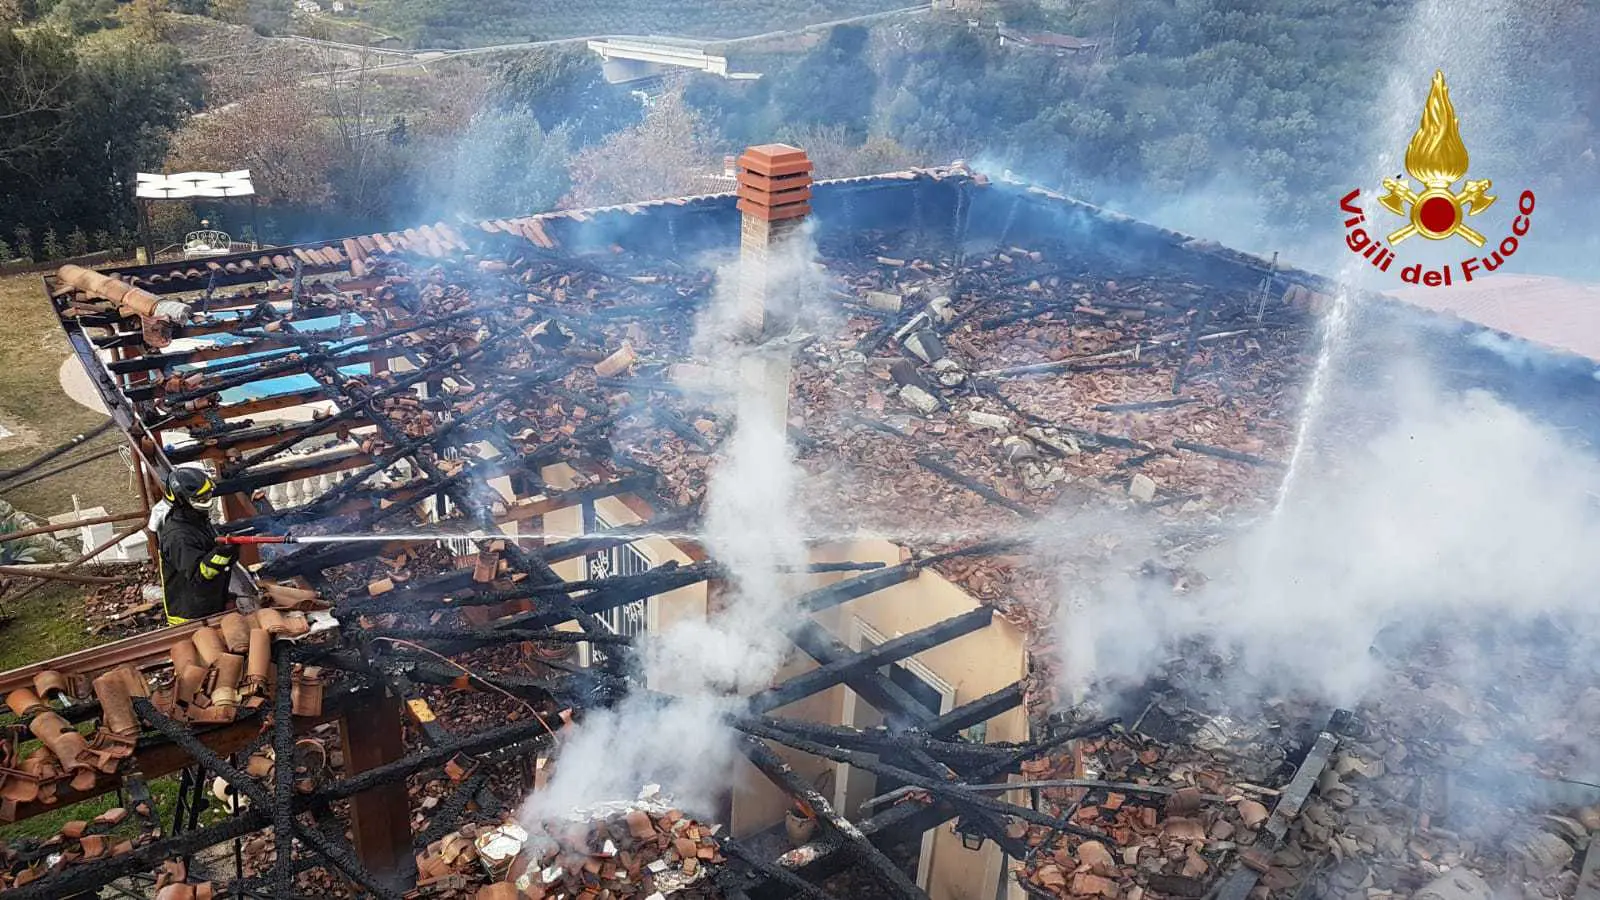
point(975, 665)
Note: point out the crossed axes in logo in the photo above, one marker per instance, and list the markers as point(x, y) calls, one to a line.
point(1474, 197)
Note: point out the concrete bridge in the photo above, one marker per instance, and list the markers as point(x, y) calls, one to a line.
point(625, 61)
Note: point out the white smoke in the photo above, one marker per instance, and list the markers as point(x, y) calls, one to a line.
point(1463, 508)
point(755, 528)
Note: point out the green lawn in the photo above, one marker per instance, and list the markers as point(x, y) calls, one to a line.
point(40, 415)
point(163, 790)
point(44, 624)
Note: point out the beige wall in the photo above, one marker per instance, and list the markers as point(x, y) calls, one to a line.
point(972, 666)
point(687, 602)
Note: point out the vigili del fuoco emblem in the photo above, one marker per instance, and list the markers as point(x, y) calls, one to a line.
point(1437, 159)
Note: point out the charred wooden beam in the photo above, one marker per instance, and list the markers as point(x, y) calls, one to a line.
point(781, 774)
point(952, 792)
point(1200, 318)
point(894, 650)
point(737, 850)
point(1224, 453)
point(849, 589)
point(372, 735)
point(245, 408)
point(251, 482)
point(284, 434)
point(286, 367)
point(1239, 884)
point(927, 461)
point(893, 701)
point(89, 876)
point(978, 711)
point(280, 800)
point(884, 740)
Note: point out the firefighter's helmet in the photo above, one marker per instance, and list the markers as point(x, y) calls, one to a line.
point(191, 487)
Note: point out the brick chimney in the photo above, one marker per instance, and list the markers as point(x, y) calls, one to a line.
point(774, 198)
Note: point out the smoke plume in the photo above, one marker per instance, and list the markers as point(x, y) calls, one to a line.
point(1462, 509)
point(753, 527)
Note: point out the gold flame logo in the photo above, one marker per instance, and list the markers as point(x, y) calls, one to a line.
point(1437, 157)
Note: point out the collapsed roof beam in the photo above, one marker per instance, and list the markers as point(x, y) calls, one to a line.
point(781, 774)
point(532, 565)
point(891, 651)
point(950, 791)
point(819, 859)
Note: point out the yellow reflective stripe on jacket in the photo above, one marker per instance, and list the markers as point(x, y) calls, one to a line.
point(207, 572)
point(176, 620)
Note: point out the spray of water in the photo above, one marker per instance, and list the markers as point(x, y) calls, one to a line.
point(1434, 39)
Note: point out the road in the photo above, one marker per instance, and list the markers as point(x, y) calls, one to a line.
point(422, 57)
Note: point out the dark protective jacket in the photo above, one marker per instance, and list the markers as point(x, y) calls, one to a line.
point(194, 570)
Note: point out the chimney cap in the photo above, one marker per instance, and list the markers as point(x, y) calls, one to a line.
point(775, 160)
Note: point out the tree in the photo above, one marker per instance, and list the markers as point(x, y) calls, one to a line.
point(835, 155)
point(83, 16)
point(51, 245)
point(130, 98)
point(235, 12)
point(834, 84)
point(37, 80)
point(505, 165)
point(278, 135)
point(146, 20)
point(563, 87)
point(348, 100)
point(666, 155)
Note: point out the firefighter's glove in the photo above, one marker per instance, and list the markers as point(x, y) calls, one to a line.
point(218, 561)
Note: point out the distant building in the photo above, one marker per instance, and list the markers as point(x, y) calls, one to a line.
point(1060, 44)
point(307, 6)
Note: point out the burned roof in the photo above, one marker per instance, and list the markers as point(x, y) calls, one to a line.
point(972, 356)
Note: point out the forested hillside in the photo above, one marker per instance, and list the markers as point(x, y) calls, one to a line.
point(462, 23)
point(1242, 121)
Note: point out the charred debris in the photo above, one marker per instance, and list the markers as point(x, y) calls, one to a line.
point(981, 354)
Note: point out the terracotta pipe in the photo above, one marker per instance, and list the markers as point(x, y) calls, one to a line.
point(235, 632)
point(184, 655)
point(208, 642)
point(24, 702)
point(191, 680)
point(116, 704)
point(129, 299)
point(259, 664)
point(137, 685)
point(52, 687)
point(230, 668)
point(273, 622)
point(57, 734)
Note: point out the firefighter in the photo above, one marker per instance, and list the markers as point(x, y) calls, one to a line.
point(195, 569)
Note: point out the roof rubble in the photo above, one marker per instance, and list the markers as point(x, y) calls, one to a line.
point(949, 396)
point(644, 848)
